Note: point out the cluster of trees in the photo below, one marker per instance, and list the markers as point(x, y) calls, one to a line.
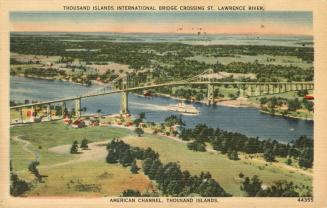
point(17, 185)
point(137, 193)
point(188, 93)
point(32, 167)
point(281, 188)
point(43, 72)
point(171, 180)
point(120, 152)
point(265, 73)
point(292, 104)
point(74, 148)
point(231, 143)
point(174, 120)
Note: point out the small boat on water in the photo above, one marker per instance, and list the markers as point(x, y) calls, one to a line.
point(183, 108)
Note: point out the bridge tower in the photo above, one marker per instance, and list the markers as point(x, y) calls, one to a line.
point(211, 89)
point(124, 96)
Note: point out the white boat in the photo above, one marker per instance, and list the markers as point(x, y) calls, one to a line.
point(183, 108)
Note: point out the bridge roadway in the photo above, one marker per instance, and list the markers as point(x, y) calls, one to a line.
point(215, 83)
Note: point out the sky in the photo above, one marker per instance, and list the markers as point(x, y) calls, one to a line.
point(265, 22)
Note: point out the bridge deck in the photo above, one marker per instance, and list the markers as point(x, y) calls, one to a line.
point(158, 85)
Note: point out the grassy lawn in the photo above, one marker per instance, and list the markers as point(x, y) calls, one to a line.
point(89, 179)
point(43, 136)
point(50, 134)
point(224, 170)
point(93, 173)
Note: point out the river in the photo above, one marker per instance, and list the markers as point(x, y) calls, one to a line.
point(248, 121)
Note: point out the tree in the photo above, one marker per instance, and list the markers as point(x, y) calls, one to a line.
point(232, 155)
point(147, 163)
point(131, 193)
point(32, 167)
point(251, 186)
point(293, 105)
point(308, 105)
point(269, 155)
point(126, 158)
point(74, 148)
point(289, 161)
point(306, 158)
point(241, 175)
point(17, 186)
point(112, 157)
point(84, 144)
point(173, 120)
point(137, 121)
point(196, 146)
point(302, 93)
point(134, 168)
point(263, 101)
point(142, 115)
point(139, 131)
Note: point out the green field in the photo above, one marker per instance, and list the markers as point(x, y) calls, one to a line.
point(89, 179)
point(51, 134)
point(43, 136)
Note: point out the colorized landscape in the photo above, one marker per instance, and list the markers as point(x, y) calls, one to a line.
point(189, 112)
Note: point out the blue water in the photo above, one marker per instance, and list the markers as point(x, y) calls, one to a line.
point(248, 121)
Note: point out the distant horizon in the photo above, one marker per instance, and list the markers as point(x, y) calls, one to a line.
point(163, 33)
point(211, 23)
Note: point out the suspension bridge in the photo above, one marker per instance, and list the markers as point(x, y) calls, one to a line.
point(125, 84)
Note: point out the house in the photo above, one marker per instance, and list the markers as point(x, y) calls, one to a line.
point(79, 123)
point(67, 121)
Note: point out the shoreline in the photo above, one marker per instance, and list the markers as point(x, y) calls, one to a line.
point(287, 116)
point(51, 79)
point(237, 103)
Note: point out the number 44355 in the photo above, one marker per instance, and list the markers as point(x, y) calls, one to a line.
point(305, 199)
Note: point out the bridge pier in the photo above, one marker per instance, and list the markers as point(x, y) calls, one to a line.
point(297, 87)
point(294, 87)
point(251, 90)
point(48, 112)
point(246, 91)
point(124, 103)
point(271, 89)
point(257, 90)
point(262, 89)
point(78, 107)
point(63, 106)
point(211, 90)
point(241, 91)
point(21, 115)
point(278, 88)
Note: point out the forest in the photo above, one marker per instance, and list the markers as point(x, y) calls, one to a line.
point(167, 61)
point(230, 143)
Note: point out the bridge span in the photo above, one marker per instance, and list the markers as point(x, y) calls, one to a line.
point(246, 89)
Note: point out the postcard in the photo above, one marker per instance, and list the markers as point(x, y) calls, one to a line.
point(163, 103)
